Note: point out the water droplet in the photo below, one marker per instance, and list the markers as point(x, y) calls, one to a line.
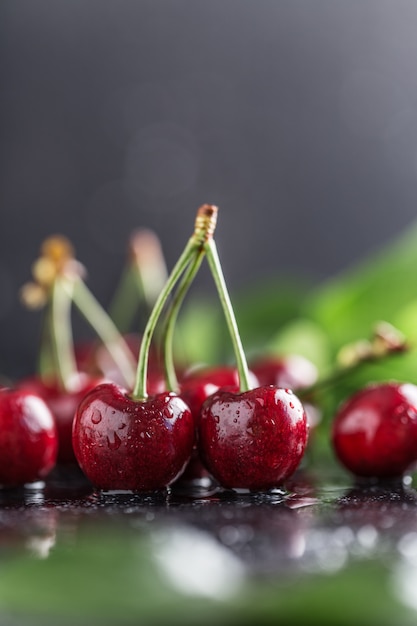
point(114, 442)
point(291, 405)
point(96, 417)
point(235, 420)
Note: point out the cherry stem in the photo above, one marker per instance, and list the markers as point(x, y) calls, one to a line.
point(142, 279)
point(46, 367)
point(105, 328)
point(140, 389)
point(61, 332)
point(217, 272)
point(149, 262)
point(341, 373)
point(125, 300)
point(205, 224)
point(167, 335)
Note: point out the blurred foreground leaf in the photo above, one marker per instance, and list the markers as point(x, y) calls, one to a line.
point(111, 577)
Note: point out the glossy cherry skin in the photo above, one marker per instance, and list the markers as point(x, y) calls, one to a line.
point(122, 444)
point(63, 405)
point(374, 432)
point(253, 440)
point(292, 371)
point(28, 438)
point(196, 386)
point(199, 384)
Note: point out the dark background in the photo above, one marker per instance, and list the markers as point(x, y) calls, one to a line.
point(298, 118)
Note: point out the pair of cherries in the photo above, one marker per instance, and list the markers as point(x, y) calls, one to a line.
point(248, 437)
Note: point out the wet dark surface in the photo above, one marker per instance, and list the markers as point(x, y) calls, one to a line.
point(316, 527)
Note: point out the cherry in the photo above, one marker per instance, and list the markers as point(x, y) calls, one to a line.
point(138, 442)
point(197, 385)
point(374, 432)
point(63, 404)
point(58, 284)
point(252, 440)
point(293, 371)
point(123, 444)
point(28, 438)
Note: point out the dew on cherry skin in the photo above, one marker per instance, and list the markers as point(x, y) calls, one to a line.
point(96, 416)
point(115, 442)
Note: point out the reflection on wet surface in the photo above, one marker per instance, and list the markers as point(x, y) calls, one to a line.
point(209, 542)
point(310, 525)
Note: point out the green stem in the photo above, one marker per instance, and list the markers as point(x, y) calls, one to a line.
point(126, 299)
point(216, 270)
point(140, 389)
point(142, 279)
point(105, 328)
point(46, 359)
point(167, 335)
point(61, 333)
point(340, 374)
point(149, 263)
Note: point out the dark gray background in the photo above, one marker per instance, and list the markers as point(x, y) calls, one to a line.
point(298, 118)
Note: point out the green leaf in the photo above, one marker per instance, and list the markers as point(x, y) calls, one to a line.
point(303, 337)
point(361, 593)
point(377, 289)
point(199, 333)
point(263, 309)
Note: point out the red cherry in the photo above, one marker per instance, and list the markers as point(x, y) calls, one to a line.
point(28, 438)
point(375, 431)
point(63, 405)
point(123, 444)
point(252, 440)
point(292, 371)
point(196, 386)
point(199, 384)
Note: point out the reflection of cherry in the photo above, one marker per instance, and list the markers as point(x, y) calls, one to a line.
point(375, 431)
point(28, 439)
point(121, 443)
point(63, 405)
point(252, 440)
